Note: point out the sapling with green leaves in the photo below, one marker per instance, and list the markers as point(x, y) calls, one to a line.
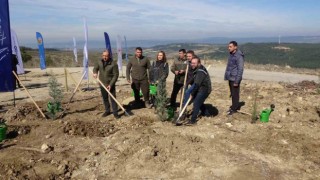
point(56, 94)
point(161, 101)
point(255, 105)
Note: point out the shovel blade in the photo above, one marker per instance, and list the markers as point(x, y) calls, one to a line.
point(128, 113)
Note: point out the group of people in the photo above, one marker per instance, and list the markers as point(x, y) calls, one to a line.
point(190, 77)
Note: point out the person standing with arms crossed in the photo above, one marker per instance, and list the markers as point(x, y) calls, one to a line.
point(138, 71)
point(233, 74)
point(108, 75)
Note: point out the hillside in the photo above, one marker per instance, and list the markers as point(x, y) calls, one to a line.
point(295, 55)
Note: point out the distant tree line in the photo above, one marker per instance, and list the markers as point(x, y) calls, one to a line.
point(295, 55)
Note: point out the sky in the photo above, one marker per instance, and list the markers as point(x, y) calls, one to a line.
point(60, 20)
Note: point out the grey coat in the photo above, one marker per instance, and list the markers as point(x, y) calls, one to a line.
point(234, 70)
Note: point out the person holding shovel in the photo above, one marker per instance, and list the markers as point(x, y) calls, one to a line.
point(202, 89)
point(178, 68)
point(190, 56)
point(138, 71)
point(108, 74)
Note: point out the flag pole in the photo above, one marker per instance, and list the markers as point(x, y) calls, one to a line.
point(14, 99)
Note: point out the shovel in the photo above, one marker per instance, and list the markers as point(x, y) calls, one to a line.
point(184, 87)
point(73, 93)
point(126, 113)
point(178, 123)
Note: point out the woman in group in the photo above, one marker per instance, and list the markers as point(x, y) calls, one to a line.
point(159, 68)
point(159, 72)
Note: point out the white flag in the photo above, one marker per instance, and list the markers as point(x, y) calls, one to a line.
point(75, 52)
point(16, 51)
point(119, 52)
point(85, 50)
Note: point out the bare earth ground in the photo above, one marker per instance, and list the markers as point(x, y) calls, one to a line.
point(86, 146)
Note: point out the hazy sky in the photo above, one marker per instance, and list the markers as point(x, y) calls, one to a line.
point(60, 20)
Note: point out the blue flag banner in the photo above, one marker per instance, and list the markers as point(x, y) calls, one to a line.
point(7, 81)
point(42, 55)
point(126, 47)
point(108, 45)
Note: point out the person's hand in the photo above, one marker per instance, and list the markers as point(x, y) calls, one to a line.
point(191, 96)
point(235, 85)
point(129, 81)
point(109, 87)
point(95, 75)
point(182, 71)
point(176, 72)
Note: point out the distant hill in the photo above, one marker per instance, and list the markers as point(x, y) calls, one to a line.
point(95, 44)
point(300, 55)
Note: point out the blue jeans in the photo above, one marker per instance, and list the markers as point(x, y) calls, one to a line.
point(187, 94)
point(198, 104)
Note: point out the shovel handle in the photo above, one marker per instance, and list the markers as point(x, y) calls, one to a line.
point(110, 94)
point(185, 107)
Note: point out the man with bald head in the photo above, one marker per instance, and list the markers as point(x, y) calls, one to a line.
point(108, 75)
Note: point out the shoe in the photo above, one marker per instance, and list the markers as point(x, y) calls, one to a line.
point(116, 116)
point(137, 103)
point(190, 123)
point(148, 105)
point(105, 114)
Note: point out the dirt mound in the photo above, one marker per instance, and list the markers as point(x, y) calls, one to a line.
point(89, 129)
point(38, 169)
point(22, 112)
point(304, 85)
point(16, 130)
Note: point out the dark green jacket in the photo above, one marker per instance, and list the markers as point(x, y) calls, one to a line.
point(108, 71)
point(179, 64)
point(138, 68)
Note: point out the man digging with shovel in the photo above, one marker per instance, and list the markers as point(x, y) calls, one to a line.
point(202, 89)
point(108, 74)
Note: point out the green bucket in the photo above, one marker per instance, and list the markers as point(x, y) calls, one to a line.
point(3, 132)
point(153, 89)
point(265, 114)
point(170, 112)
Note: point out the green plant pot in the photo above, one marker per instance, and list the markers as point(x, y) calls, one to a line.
point(3, 132)
point(153, 89)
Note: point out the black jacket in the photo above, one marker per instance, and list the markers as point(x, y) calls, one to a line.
point(202, 81)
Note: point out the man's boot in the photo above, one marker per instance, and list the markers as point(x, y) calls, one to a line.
point(147, 104)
